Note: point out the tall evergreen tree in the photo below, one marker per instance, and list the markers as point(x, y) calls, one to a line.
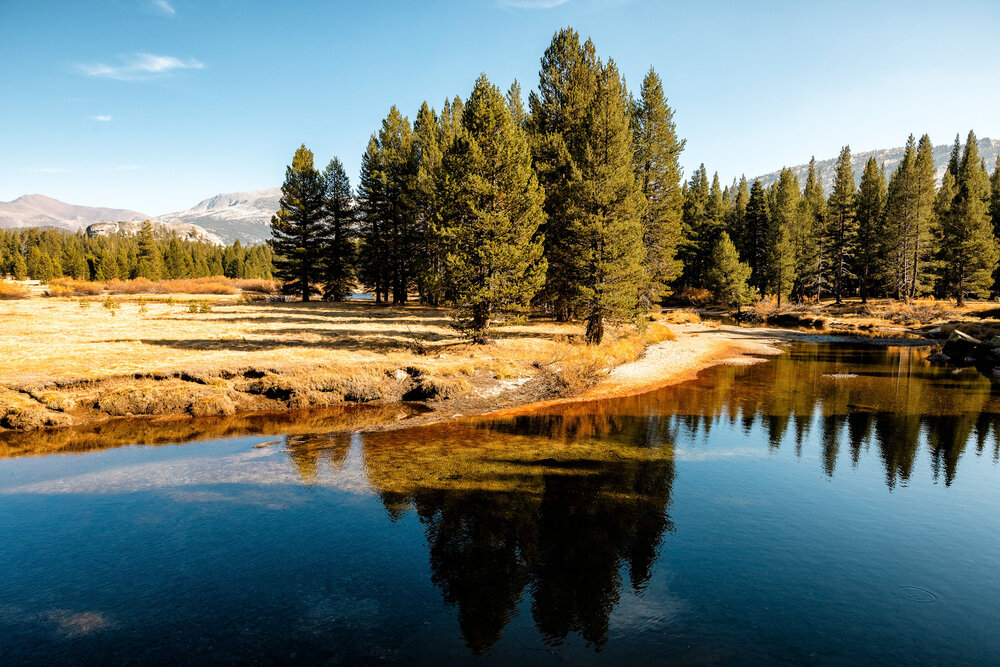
point(995, 211)
point(755, 238)
point(338, 250)
point(702, 223)
point(841, 224)
point(782, 231)
point(611, 204)
point(736, 219)
point(871, 202)
point(150, 260)
point(495, 265)
point(567, 83)
point(813, 260)
point(429, 145)
point(657, 162)
point(373, 267)
point(298, 229)
point(391, 234)
point(970, 248)
point(515, 104)
point(955, 160)
point(728, 277)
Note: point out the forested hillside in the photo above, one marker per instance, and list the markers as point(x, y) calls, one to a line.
point(47, 254)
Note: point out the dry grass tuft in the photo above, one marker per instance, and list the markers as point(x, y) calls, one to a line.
point(682, 316)
point(9, 290)
point(72, 287)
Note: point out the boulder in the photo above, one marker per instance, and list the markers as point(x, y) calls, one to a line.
point(961, 346)
point(939, 358)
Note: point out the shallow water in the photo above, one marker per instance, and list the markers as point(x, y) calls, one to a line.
point(836, 505)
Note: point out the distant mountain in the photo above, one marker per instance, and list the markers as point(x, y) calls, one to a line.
point(236, 215)
point(41, 211)
point(183, 230)
point(988, 149)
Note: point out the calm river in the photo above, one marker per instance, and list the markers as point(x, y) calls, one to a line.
point(838, 505)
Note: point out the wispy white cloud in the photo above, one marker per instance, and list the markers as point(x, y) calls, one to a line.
point(531, 4)
point(139, 66)
point(163, 7)
point(103, 118)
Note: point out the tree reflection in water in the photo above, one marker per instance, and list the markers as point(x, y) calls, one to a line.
point(508, 507)
point(561, 503)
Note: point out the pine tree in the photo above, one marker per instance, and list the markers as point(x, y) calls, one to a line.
point(149, 262)
point(657, 162)
point(995, 211)
point(970, 248)
point(515, 105)
point(400, 230)
point(338, 251)
point(755, 241)
point(736, 221)
point(611, 204)
point(871, 202)
point(495, 266)
point(19, 268)
point(701, 226)
point(373, 265)
point(910, 221)
point(298, 229)
point(567, 83)
point(841, 224)
point(813, 261)
point(782, 228)
point(956, 157)
point(728, 277)
point(429, 146)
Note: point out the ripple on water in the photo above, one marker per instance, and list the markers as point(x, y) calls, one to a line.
point(917, 594)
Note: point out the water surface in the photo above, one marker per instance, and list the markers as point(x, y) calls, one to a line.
point(836, 505)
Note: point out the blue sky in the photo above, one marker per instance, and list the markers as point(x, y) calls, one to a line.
point(156, 104)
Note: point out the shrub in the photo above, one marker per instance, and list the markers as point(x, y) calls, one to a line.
point(85, 303)
point(71, 287)
point(193, 307)
point(204, 307)
point(696, 296)
point(681, 317)
point(111, 304)
point(9, 290)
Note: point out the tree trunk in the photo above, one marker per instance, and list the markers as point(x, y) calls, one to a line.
point(595, 329)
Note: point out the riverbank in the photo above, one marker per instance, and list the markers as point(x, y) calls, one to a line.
point(64, 362)
point(67, 362)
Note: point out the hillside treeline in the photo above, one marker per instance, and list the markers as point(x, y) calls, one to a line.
point(576, 205)
point(46, 254)
point(900, 237)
